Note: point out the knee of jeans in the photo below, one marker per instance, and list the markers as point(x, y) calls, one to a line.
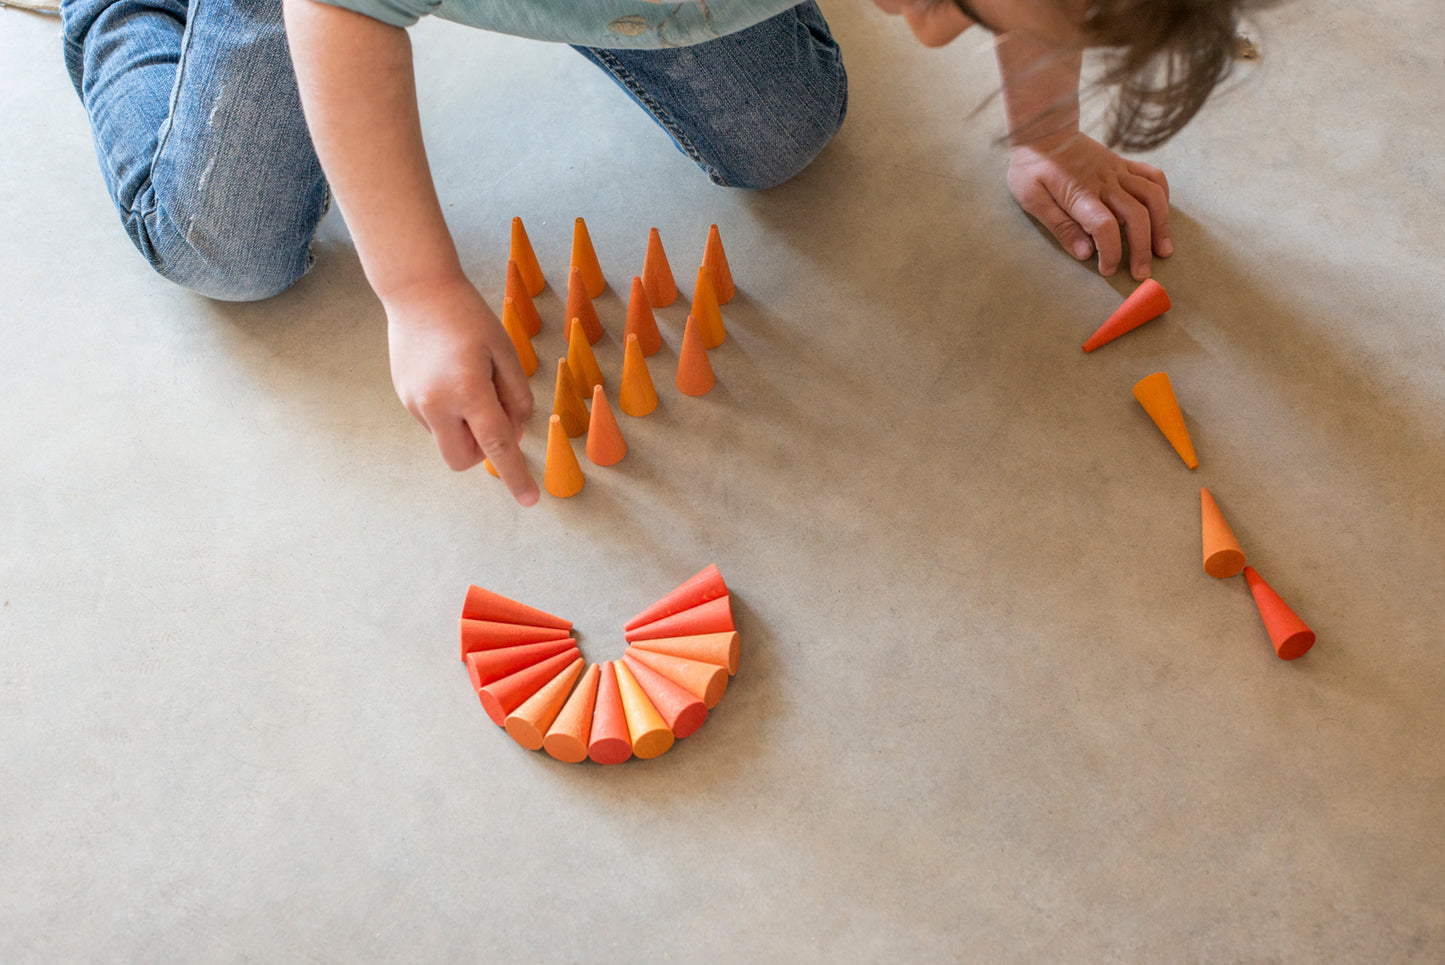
point(769, 161)
point(227, 262)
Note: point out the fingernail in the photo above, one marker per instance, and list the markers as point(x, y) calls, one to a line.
point(1166, 248)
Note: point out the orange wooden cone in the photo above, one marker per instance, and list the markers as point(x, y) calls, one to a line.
point(567, 402)
point(640, 320)
point(723, 649)
point(1156, 395)
point(705, 680)
point(682, 711)
point(645, 727)
point(527, 725)
point(566, 739)
point(716, 260)
point(581, 360)
point(1288, 633)
point(714, 616)
point(1148, 302)
point(485, 666)
point(694, 369)
point(699, 588)
point(487, 465)
point(518, 292)
point(526, 260)
point(579, 305)
point(562, 476)
point(705, 310)
point(517, 332)
point(488, 635)
point(500, 697)
point(1222, 555)
point(481, 604)
point(608, 741)
point(605, 445)
point(657, 277)
point(584, 256)
point(638, 396)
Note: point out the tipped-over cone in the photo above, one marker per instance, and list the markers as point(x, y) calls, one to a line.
point(716, 260)
point(566, 739)
point(605, 445)
point(705, 310)
point(485, 666)
point(723, 649)
point(1156, 395)
point(694, 368)
point(526, 259)
point(562, 476)
point(1222, 555)
point(518, 292)
point(648, 731)
point(640, 320)
point(517, 332)
point(584, 256)
point(500, 697)
point(707, 681)
point(527, 725)
point(488, 635)
point(699, 588)
point(714, 616)
point(1288, 633)
point(1148, 302)
point(609, 741)
point(481, 604)
point(638, 396)
point(682, 710)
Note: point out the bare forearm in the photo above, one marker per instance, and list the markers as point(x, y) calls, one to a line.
point(1040, 88)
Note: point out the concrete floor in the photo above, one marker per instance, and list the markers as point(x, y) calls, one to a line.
point(990, 710)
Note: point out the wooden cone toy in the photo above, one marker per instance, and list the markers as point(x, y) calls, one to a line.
point(517, 332)
point(705, 310)
point(488, 635)
point(526, 260)
point(714, 616)
point(721, 649)
point(1288, 633)
point(638, 396)
point(487, 465)
point(485, 666)
point(562, 476)
point(699, 588)
point(694, 369)
point(705, 680)
point(1222, 555)
point(657, 277)
point(581, 360)
point(609, 742)
point(567, 402)
point(1156, 395)
point(481, 604)
point(716, 260)
point(517, 291)
point(605, 445)
point(527, 725)
point(645, 727)
point(682, 711)
point(579, 305)
point(1148, 302)
point(640, 320)
point(584, 256)
point(500, 697)
point(566, 739)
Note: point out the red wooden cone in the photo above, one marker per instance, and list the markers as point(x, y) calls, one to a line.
point(640, 320)
point(483, 604)
point(704, 586)
point(490, 635)
point(485, 666)
point(521, 296)
point(657, 277)
point(500, 697)
point(605, 445)
point(1288, 633)
point(705, 680)
point(716, 259)
point(1148, 302)
point(694, 369)
point(566, 739)
point(526, 259)
point(609, 741)
point(714, 616)
point(527, 725)
point(682, 711)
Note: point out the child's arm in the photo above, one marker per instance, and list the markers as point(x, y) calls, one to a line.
point(451, 361)
point(1076, 187)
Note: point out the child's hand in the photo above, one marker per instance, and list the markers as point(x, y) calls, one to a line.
point(457, 372)
point(1088, 196)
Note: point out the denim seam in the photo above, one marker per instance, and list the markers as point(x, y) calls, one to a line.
point(192, 16)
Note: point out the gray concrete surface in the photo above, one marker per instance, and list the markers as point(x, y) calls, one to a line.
point(991, 709)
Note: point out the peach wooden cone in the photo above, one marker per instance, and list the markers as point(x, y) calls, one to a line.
point(566, 739)
point(640, 320)
point(1156, 395)
point(698, 588)
point(579, 305)
point(657, 277)
point(723, 649)
point(682, 711)
point(1147, 302)
point(489, 635)
point(517, 291)
point(1288, 633)
point(562, 476)
point(526, 259)
point(584, 256)
point(517, 332)
point(645, 727)
point(581, 360)
point(485, 666)
point(1222, 555)
point(694, 369)
point(716, 260)
point(714, 616)
point(500, 697)
point(705, 310)
point(481, 604)
point(609, 741)
point(605, 445)
point(705, 680)
point(567, 402)
point(638, 396)
point(527, 725)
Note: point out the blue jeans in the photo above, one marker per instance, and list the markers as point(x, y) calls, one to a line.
point(204, 150)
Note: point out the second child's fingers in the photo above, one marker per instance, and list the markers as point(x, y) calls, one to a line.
point(1134, 218)
point(495, 436)
point(1150, 172)
point(1096, 218)
point(1069, 233)
point(1156, 200)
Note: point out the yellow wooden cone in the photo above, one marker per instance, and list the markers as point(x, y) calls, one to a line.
point(584, 256)
point(1156, 395)
point(649, 733)
point(528, 724)
point(637, 396)
point(517, 332)
point(563, 474)
point(567, 404)
point(581, 360)
point(657, 273)
point(717, 260)
point(526, 259)
point(705, 310)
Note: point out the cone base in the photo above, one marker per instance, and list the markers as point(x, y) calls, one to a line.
point(653, 743)
point(1295, 645)
point(609, 750)
point(1224, 564)
point(565, 748)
